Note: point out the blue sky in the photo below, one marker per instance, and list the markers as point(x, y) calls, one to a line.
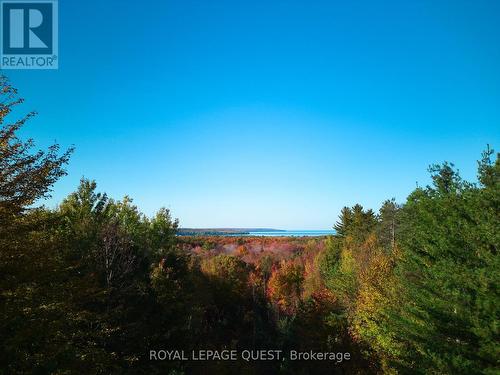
point(267, 113)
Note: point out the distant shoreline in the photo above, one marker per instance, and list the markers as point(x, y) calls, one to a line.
point(222, 231)
point(252, 232)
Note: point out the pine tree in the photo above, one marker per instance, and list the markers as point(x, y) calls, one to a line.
point(446, 320)
point(388, 223)
point(344, 222)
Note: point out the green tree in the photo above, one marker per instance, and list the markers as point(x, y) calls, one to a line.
point(344, 223)
point(161, 232)
point(388, 223)
point(446, 320)
point(355, 222)
point(84, 213)
point(25, 176)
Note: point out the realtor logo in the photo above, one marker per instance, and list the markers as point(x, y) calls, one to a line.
point(29, 37)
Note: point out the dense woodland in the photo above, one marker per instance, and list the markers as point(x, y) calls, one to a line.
point(91, 286)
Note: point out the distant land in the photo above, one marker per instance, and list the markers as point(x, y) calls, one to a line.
point(222, 231)
point(258, 232)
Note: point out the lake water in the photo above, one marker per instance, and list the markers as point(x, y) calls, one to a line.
point(293, 233)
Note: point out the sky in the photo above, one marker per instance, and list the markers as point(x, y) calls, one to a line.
point(267, 113)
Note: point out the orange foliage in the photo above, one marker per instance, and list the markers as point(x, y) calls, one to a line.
point(285, 286)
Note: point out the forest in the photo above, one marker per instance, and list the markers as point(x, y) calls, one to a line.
point(93, 285)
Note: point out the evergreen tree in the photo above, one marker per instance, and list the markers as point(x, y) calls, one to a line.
point(388, 223)
point(447, 317)
point(344, 222)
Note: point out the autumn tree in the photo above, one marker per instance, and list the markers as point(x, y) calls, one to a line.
point(285, 286)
